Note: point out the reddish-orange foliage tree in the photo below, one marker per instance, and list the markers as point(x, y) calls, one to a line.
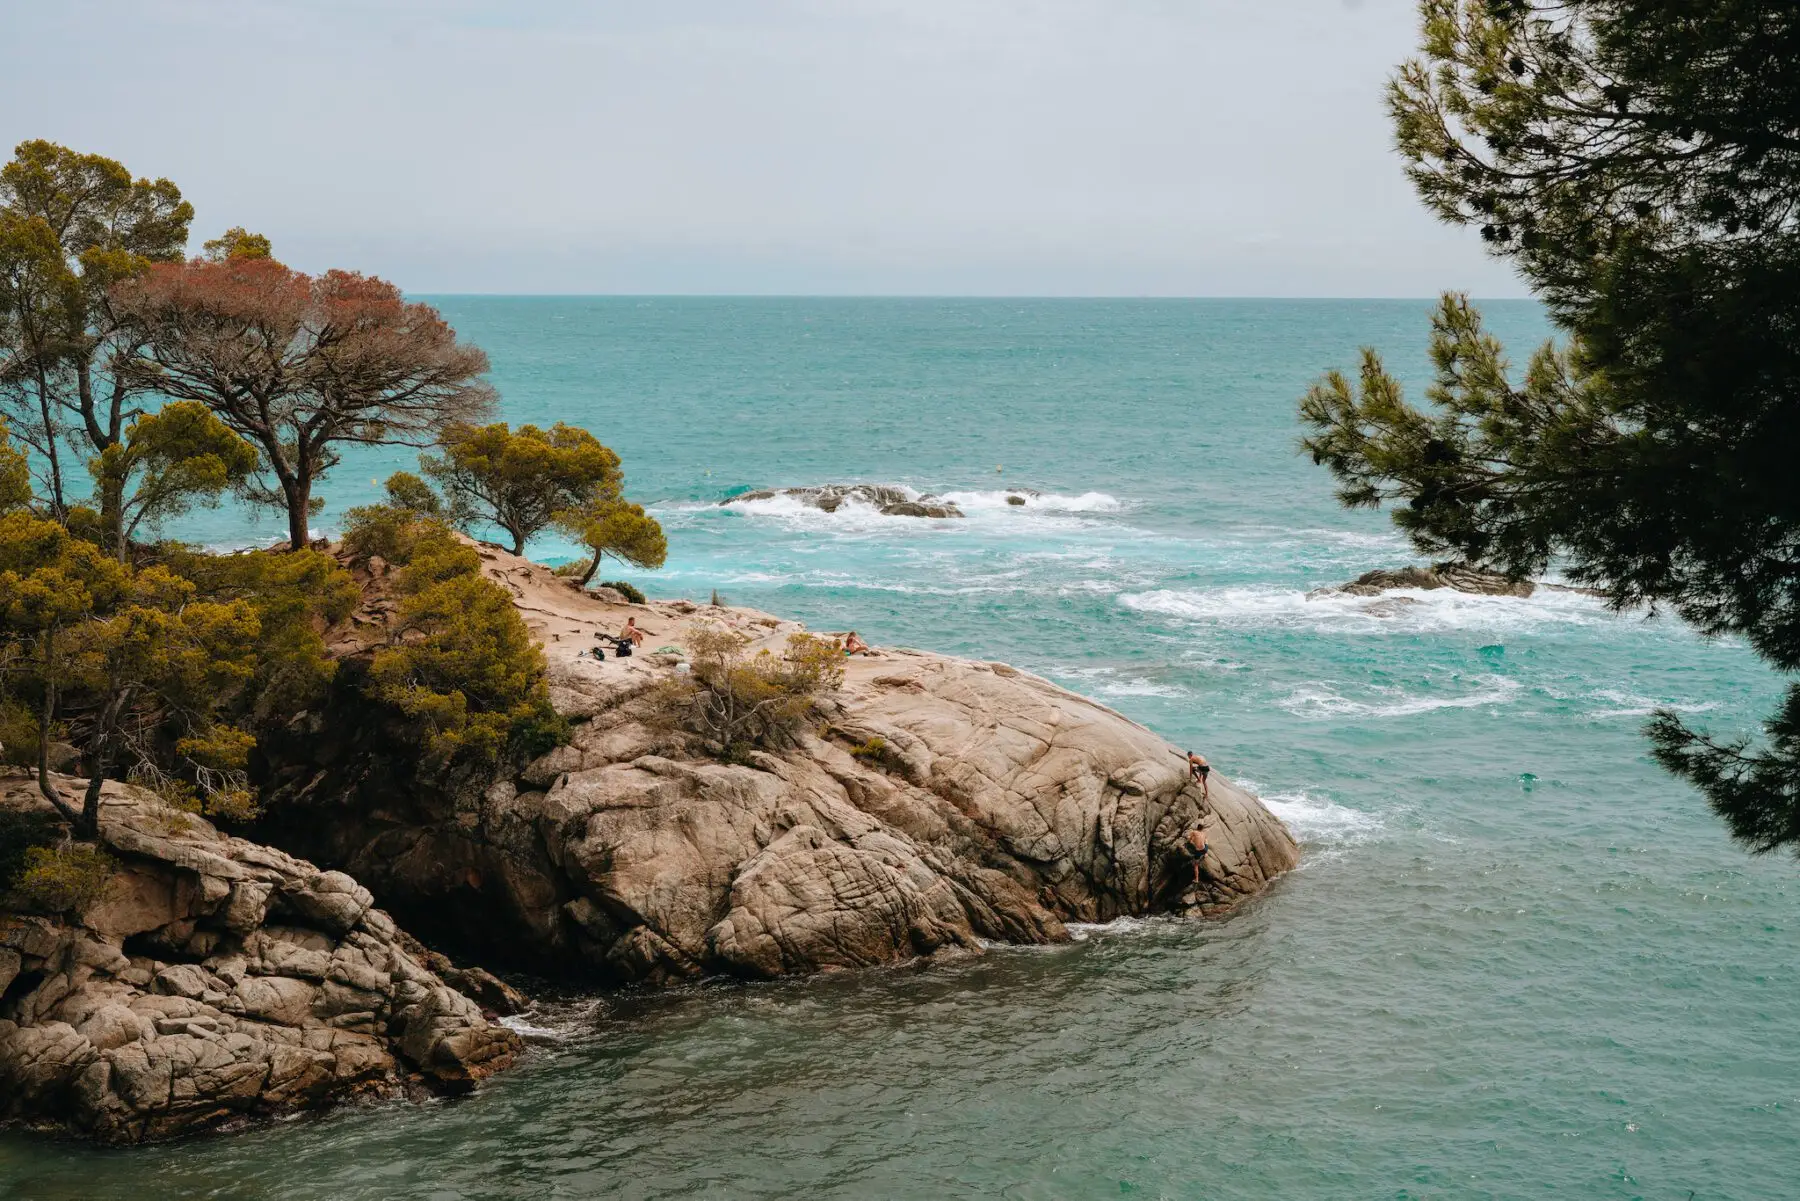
point(301, 365)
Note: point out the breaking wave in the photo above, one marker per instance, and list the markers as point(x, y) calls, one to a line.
point(985, 500)
point(980, 507)
point(1319, 821)
point(1319, 701)
point(1402, 610)
point(1630, 704)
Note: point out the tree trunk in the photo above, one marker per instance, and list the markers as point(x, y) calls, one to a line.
point(299, 507)
point(592, 567)
point(518, 546)
point(90, 804)
point(98, 759)
point(112, 516)
point(46, 715)
point(57, 505)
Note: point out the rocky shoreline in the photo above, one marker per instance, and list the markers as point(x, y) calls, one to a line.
point(217, 979)
point(938, 804)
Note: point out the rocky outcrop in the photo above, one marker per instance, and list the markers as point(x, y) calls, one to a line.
point(1460, 576)
point(215, 979)
point(887, 499)
point(936, 804)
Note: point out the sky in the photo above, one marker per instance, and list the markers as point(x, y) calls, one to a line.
point(813, 147)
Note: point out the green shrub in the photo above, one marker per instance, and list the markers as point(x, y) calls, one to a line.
point(874, 748)
point(18, 734)
point(464, 666)
point(393, 528)
point(63, 879)
point(628, 591)
point(736, 700)
point(384, 531)
point(19, 833)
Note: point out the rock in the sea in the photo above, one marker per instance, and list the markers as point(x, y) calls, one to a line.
point(1460, 576)
point(215, 979)
point(887, 499)
point(935, 804)
point(921, 508)
point(1389, 606)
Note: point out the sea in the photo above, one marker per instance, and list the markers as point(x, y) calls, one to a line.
point(1517, 959)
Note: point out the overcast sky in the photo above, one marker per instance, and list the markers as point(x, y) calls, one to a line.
point(1011, 147)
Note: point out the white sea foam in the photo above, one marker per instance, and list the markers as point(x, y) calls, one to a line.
point(981, 508)
point(531, 1032)
point(1141, 688)
point(989, 500)
point(1408, 611)
point(555, 1023)
point(1630, 704)
point(1082, 931)
point(1320, 701)
point(1107, 681)
point(1320, 821)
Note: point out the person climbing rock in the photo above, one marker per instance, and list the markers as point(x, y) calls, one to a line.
point(1193, 843)
point(1198, 770)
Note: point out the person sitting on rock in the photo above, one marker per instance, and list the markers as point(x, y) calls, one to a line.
point(856, 646)
point(631, 633)
point(1198, 770)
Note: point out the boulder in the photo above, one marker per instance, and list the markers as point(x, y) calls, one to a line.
point(215, 979)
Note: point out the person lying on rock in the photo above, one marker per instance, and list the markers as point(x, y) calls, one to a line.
point(856, 646)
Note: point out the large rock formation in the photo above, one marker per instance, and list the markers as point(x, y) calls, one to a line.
point(215, 979)
point(937, 803)
point(887, 499)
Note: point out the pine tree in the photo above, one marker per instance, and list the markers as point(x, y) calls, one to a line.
point(1638, 161)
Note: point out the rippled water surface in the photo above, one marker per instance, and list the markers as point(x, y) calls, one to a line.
point(1517, 961)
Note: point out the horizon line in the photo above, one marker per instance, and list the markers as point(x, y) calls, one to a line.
point(1430, 299)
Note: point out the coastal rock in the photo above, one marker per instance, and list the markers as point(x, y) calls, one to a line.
point(216, 979)
point(1459, 576)
point(935, 804)
point(890, 501)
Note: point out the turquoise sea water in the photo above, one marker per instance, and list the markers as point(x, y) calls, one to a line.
point(1518, 961)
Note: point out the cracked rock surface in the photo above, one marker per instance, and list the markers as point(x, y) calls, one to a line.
point(215, 979)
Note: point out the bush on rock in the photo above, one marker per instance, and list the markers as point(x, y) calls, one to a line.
point(736, 700)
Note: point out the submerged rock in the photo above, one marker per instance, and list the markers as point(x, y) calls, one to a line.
point(1389, 606)
point(215, 979)
point(887, 499)
point(936, 803)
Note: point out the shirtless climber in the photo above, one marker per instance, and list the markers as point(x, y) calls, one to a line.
point(1193, 843)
